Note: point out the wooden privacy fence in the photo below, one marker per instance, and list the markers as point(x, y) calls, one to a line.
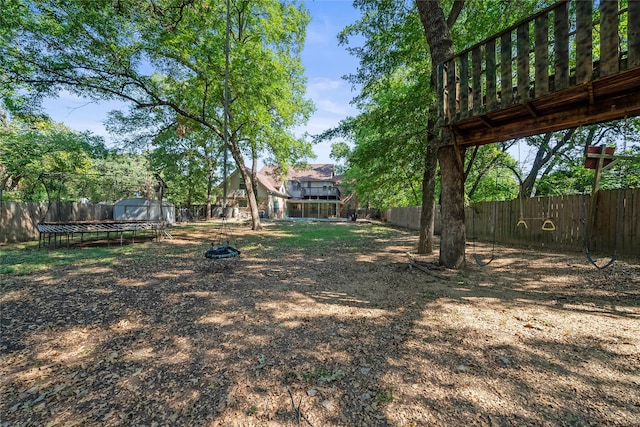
point(18, 221)
point(566, 216)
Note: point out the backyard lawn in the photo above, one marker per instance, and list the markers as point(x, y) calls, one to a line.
point(314, 324)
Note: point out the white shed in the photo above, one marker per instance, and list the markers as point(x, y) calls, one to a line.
point(139, 209)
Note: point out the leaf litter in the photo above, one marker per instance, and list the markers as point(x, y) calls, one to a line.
point(348, 334)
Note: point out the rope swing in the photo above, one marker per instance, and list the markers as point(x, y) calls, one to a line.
point(585, 220)
point(224, 249)
point(473, 231)
point(604, 159)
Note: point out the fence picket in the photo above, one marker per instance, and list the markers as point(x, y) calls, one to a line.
point(566, 213)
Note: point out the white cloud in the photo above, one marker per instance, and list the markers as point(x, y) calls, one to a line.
point(321, 84)
point(330, 96)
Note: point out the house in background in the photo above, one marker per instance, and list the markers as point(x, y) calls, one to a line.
point(271, 196)
point(313, 192)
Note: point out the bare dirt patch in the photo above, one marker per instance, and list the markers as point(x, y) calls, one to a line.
point(335, 332)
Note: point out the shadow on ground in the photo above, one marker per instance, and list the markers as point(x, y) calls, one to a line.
point(316, 327)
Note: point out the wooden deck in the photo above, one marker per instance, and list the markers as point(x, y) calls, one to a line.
point(569, 65)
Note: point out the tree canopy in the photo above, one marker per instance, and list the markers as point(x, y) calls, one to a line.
point(41, 160)
point(167, 59)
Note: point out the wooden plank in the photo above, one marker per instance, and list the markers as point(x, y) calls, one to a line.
point(612, 207)
point(577, 220)
point(609, 45)
point(614, 239)
point(605, 219)
point(490, 73)
point(588, 201)
point(440, 86)
point(523, 62)
point(570, 216)
point(634, 220)
point(451, 89)
point(634, 34)
point(561, 44)
point(574, 115)
point(464, 85)
point(476, 61)
point(584, 41)
point(506, 70)
point(626, 226)
point(541, 53)
point(592, 222)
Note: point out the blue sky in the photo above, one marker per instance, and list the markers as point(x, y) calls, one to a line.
point(325, 64)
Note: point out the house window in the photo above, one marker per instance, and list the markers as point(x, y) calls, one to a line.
point(325, 188)
point(241, 185)
point(242, 203)
point(309, 184)
point(295, 185)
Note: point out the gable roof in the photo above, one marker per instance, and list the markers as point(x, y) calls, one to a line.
point(271, 179)
point(266, 180)
point(269, 182)
point(316, 172)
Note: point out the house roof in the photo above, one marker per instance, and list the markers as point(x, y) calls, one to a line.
point(316, 172)
point(271, 179)
point(268, 180)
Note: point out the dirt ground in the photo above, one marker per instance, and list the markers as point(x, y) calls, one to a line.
point(340, 333)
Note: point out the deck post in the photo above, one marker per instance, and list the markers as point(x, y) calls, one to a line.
point(609, 44)
point(561, 43)
point(440, 90)
point(541, 53)
point(584, 42)
point(464, 85)
point(634, 33)
point(476, 66)
point(523, 62)
point(490, 73)
point(506, 70)
point(451, 89)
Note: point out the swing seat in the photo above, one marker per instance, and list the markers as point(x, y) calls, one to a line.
point(600, 267)
point(548, 225)
point(522, 222)
point(220, 252)
point(480, 262)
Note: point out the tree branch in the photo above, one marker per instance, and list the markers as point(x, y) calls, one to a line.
point(456, 8)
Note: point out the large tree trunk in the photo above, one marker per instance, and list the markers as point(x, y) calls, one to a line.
point(210, 179)
point(253, 202)
point(452, 238)
point(254, 170)
point(427, 215)
point(453, 235)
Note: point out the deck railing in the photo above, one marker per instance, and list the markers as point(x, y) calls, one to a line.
point(568, 44)
point(319, 192)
